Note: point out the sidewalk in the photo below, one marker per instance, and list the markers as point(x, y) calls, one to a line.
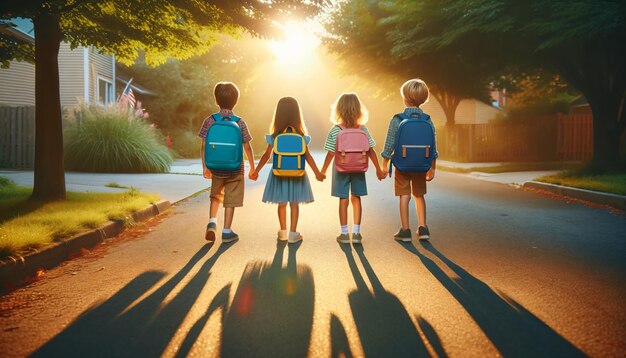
point(172, 187)
point(512, 178)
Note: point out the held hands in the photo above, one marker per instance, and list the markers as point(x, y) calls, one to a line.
point(253, 175)
point(206, 173)
point(430, 175)
point(320, 176)
point(382, 173)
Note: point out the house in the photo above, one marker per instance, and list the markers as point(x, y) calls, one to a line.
point(469, 111)
point(84, 73)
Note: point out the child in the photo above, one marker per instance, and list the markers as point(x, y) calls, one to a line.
point(348, 112)
point(283, 190)
point(226, 186)
point(414, 93)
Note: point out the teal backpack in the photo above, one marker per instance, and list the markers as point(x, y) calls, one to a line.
point(289, 154)
point(223, 147)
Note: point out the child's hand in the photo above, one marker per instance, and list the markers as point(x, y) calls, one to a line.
point(253, 175)
point(320, 176)
point(430, 175)
point(384, 172)
point(207, 173)
point(379, 174)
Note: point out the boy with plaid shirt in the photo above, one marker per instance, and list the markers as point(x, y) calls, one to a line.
point(227, 187)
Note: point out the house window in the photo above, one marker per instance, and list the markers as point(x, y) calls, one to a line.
point(105, 91)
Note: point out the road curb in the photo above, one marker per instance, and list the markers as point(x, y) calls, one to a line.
point(16, 271)
point(614, 200)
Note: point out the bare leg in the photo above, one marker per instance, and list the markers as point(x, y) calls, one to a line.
point(356, 209)
point(404, 211)
point(215, 207)
point(343, 211)
point(420, 205)
point(228, 217)
point(282, 216)
point(295, 212)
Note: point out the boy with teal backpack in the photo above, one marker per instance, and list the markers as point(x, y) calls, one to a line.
point(224, 139)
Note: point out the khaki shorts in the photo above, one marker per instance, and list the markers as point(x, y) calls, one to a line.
point(229, 190)
point(410, 183)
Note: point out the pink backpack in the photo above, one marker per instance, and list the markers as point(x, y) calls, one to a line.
point(351, 150)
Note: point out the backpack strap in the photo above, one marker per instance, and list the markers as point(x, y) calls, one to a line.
point(289, 129)
point(218, 117)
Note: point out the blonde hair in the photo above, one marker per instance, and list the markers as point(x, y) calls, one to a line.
point(414, 92)
point(349, 111)
point(287, 113)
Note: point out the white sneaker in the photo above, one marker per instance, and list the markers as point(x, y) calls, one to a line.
point(294, 237)
point(282, 235)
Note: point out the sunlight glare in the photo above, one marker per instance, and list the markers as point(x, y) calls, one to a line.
point(298, 45)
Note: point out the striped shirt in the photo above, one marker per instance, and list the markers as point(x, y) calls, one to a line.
point(245, 136)
point(331, 138)
point(390, 140)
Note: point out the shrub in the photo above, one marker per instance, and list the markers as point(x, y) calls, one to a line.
point(113, 140)
point(186, 144)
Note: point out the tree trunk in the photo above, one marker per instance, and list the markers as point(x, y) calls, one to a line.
point(606, 130)
point(49, 174)
point(449, 103)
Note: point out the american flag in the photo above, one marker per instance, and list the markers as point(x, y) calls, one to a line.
point(129, 95)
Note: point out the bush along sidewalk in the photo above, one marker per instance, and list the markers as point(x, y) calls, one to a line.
point(114, 140)
point(35, 236)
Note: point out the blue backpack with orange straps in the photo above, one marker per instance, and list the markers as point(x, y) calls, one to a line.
point(415, 144)
point(223, 147)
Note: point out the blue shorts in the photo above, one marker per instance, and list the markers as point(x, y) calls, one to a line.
point(346, 183)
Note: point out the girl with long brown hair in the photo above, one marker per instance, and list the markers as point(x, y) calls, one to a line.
point(283, 190)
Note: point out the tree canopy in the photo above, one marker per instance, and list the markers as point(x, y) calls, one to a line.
point(158, 28)
point(580, 40)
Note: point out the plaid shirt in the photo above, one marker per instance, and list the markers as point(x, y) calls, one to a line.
point(390, 140)
point(245, 136)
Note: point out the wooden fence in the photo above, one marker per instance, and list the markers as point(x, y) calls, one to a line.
point(17, 137)
point(547, 138)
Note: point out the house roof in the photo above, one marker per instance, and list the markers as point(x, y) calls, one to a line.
point(121, 79)
point(19, 27)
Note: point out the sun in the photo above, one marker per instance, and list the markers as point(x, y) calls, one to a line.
point(298, 44)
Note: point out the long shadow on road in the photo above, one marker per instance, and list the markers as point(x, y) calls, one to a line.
point(271, 314)
point(145, 329)
point(384, 325)
point(513, 330)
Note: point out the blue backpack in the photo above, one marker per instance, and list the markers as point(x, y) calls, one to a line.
point(223, 147)
point(415, 144)
point(289, 154)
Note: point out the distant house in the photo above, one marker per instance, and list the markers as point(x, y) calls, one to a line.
point(84, 74)
point(469, 111)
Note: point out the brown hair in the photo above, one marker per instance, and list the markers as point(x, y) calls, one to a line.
point(414, 92)
point(349, 111)
point(226, 95)
point(287, 113)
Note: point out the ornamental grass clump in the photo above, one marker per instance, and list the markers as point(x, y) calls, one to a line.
point(114, 140)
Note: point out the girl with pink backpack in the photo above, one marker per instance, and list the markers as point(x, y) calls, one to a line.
point(351, 146)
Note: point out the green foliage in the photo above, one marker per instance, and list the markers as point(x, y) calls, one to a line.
point(186, 144)
point(112, 140)
point(184, 89)
point(161, 29)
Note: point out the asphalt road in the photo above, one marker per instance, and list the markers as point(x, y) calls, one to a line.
point(507, 272)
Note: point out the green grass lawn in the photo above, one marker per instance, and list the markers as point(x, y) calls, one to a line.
point(608, 183)
point(512, 167)
point(28, 224)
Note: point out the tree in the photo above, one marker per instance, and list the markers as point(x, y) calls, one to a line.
point(580, 40)
point(159, 28)
point(370, 38)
